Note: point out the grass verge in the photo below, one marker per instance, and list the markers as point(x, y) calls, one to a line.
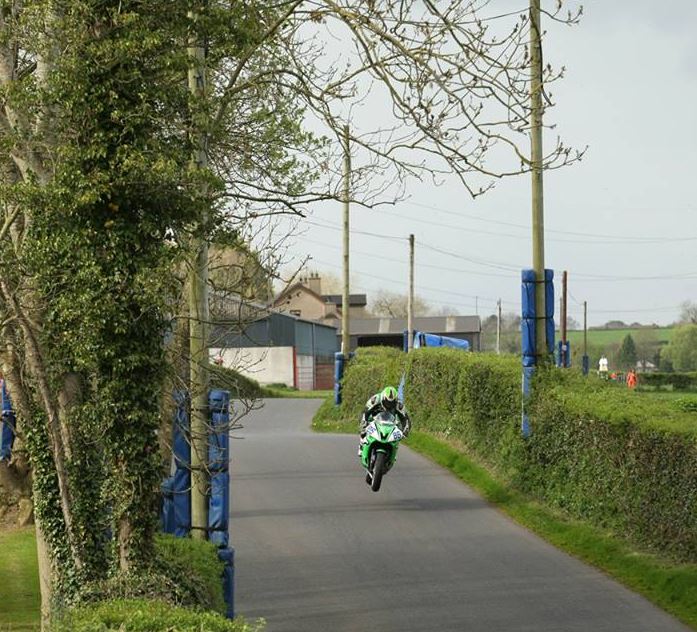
point(669, 585)
point(276, 391)
point(20, 599)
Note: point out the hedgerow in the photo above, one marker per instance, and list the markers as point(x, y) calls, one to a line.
point(607, 456)
point(182, 592)
point(183, 572)
point(676, 381)
point(141, 615)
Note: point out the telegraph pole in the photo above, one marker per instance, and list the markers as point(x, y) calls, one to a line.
point(538, 247)
point(410, 302)
point(585, 328)
point(586, 363)
point(198, 301)
point(345, 336)
point(498, 327)
point(564, 307)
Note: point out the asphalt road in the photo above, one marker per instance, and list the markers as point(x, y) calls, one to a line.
point(316, 550)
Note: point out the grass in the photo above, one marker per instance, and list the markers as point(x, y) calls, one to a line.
point(284, 391)
point(20, 599)
point(666, 395)
point(669, 585)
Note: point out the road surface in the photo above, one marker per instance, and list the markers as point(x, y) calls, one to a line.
point(317, 551)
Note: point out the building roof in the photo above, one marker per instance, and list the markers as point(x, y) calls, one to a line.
point(430, 324)
point(232, 308)
point(293, 288)
point(355, 300)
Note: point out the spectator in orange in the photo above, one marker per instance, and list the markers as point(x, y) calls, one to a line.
point(631, 379)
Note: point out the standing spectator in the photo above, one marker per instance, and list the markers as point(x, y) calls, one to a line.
point(631, 379)
point(602, 368)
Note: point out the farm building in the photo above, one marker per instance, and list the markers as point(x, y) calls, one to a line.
point(274, 348)
point(367, 332)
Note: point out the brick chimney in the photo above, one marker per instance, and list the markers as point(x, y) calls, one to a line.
point(314, 282)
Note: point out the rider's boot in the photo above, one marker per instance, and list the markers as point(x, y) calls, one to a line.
point(361, 442)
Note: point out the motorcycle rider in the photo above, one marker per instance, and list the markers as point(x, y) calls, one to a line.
point(387, 401)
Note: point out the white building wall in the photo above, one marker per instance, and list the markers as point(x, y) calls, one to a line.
point(266, 365)
point(306, 372)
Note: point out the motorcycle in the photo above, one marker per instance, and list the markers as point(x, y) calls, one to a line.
point(379, 452)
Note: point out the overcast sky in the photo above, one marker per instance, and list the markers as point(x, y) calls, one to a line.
point(630, 94)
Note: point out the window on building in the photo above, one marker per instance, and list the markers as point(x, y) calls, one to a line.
point(295, 312)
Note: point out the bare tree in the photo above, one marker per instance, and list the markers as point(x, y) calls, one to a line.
point(688, 312)
point(394, 305)
point(448, 85)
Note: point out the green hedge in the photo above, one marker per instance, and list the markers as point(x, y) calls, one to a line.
point(240, 387)
point(678, 381)
point(185, 572)
point(605, 455)
point(141, 615)
point(181, 592)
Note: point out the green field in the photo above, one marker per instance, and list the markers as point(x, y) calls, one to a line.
point(605, 340)
point(661, 335)
point(20, 599)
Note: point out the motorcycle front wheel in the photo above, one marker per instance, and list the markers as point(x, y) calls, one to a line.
point(378, 470)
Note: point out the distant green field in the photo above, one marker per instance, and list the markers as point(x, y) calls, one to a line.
point(603, 338)
point(615, 336)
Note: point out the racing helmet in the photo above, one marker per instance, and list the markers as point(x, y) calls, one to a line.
point(389, 399)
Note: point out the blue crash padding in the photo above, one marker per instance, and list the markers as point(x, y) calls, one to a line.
point(227, 555)
point(218, 463)
point(7, 424)
point(181, 484)
point(167, 509)
point(339, 361)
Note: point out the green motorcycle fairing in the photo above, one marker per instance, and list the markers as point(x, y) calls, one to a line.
point(382, 435)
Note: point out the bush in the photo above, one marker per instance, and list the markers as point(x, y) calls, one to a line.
point(600, 453)
point(185, 572)
point(686, 404)
point(240, 387)
point(141, 615)
point(678, 381)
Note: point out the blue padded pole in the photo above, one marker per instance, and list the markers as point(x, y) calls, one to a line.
point(181, 447)
point(219, 500)
point(339, 361)
point(549, 310)
point(528, 339)
point(7, 424)
point(218, 463)
point(227, 555)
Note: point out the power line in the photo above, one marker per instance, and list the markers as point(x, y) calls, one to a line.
point(491, 303)
point(421, 289)
point(381, 257)
point(516, 267)
point(619, 238)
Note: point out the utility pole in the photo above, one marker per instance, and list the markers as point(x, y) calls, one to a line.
point(498, 327)
point(585, 328)
point(345, 337)
point(586, 362)
point(476, 305)
point(538, 230)
point(198, 299)
point(564, 307)
point(410, 302)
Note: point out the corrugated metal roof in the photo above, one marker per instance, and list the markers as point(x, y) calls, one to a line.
point(357, 300)
point(430, 324)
